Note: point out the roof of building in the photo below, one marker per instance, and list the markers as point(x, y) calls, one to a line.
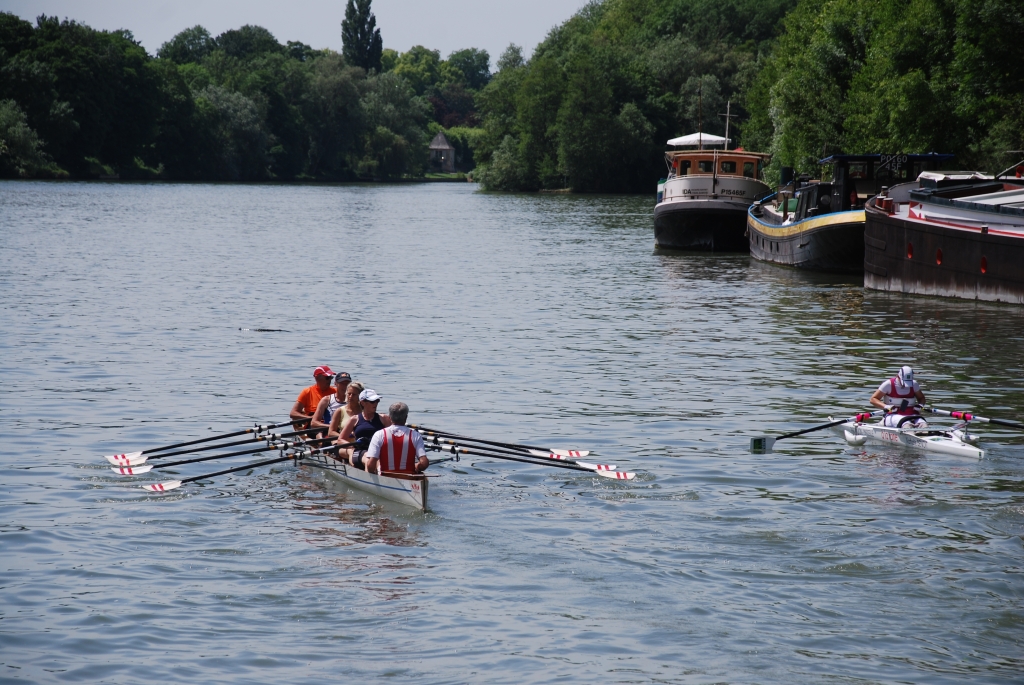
point(440, 142)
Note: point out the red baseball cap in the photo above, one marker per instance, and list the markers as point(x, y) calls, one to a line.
point(323, 371)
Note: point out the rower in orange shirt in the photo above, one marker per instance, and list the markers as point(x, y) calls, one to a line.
point(309, 398)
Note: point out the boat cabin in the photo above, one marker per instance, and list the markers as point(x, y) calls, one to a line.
point(856, 178)
point(716, 163)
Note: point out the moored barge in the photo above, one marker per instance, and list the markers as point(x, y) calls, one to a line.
point(702, 204)
point(819, 225)
point(953, 234)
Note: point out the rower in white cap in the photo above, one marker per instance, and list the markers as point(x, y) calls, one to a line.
point(900, 395)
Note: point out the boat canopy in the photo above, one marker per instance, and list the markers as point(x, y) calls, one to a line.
point(698, 139)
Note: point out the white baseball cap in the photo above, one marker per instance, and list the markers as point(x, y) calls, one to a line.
point(906, 375)
point(369, 396)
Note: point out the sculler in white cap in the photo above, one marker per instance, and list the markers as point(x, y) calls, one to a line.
point(362, 427)
point(901, 395)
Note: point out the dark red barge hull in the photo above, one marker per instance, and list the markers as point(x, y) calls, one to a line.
point(926, 258)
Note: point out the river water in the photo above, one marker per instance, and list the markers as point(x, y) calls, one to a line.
point(128, 321)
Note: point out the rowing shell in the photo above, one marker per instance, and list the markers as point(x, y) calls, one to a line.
point(955, 441)
point(404, 488)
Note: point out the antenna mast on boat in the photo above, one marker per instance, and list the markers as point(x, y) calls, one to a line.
point(700, 114)
point(728, 117)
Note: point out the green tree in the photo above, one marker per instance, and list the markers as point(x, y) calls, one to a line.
point(21, 151)
point(361, 42)
point(395, 117)
point(190, 45)
point(474, 65)
point(248, 42)
point(420, 67)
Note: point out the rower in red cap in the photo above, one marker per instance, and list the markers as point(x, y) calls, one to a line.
point(309, 398)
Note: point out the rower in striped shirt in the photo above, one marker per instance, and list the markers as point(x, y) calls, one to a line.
point(397, 448)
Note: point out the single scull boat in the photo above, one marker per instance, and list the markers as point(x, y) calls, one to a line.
point(954, 440)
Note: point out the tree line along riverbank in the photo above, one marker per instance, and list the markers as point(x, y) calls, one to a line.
point(589, 110)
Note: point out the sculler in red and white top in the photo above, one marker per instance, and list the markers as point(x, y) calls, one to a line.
point(397, 448)
point(900, 395)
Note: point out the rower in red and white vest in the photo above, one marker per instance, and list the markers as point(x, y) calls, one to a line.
point(397, 448)
point(900, 395)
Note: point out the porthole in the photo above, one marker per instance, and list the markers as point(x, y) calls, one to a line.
point(910, 250)
point(984, 265)
point(938, 256)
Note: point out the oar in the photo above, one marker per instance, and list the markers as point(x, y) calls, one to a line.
point(510, 445)
point(615, 475)
point(145, 468)
point(172, 484)
point(138, 458)
point(967, 416)
point(764, 443)
point(128, 456)
point(539, 455)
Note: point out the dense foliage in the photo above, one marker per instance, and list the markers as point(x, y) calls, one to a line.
point(589, 110)
point(238, 106)
point(593, 106)
point(861, 76)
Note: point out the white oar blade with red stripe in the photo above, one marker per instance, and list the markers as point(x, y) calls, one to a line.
point(132, 470)
point(559, 454)
point(617, 475)
point(129, 459)
point(596, 467)
point(162, 487)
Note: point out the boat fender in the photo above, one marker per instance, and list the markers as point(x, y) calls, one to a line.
point(854, 439)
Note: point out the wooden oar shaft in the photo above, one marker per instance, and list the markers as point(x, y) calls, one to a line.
point(217, 437)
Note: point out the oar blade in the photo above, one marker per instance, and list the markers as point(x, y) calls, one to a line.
point(162, 487)
point(596, 467)
point(132, 470)
point(762, 445)
point(127, 459)
point(616, 475)
point(559, 454)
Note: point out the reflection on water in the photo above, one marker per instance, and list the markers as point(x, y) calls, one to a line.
point(130, 319)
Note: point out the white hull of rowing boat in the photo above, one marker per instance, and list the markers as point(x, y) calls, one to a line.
point(946, 441)
point(405, 489)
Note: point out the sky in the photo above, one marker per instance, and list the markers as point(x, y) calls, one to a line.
point(444, 25)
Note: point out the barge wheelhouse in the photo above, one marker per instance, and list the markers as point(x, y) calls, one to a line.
point(953, 234)
point(702, 204)
point(819, 225)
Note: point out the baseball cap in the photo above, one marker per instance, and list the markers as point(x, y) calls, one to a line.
point(906, 375)
point(369, 395)
point(322, 371)
point(343, 376)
